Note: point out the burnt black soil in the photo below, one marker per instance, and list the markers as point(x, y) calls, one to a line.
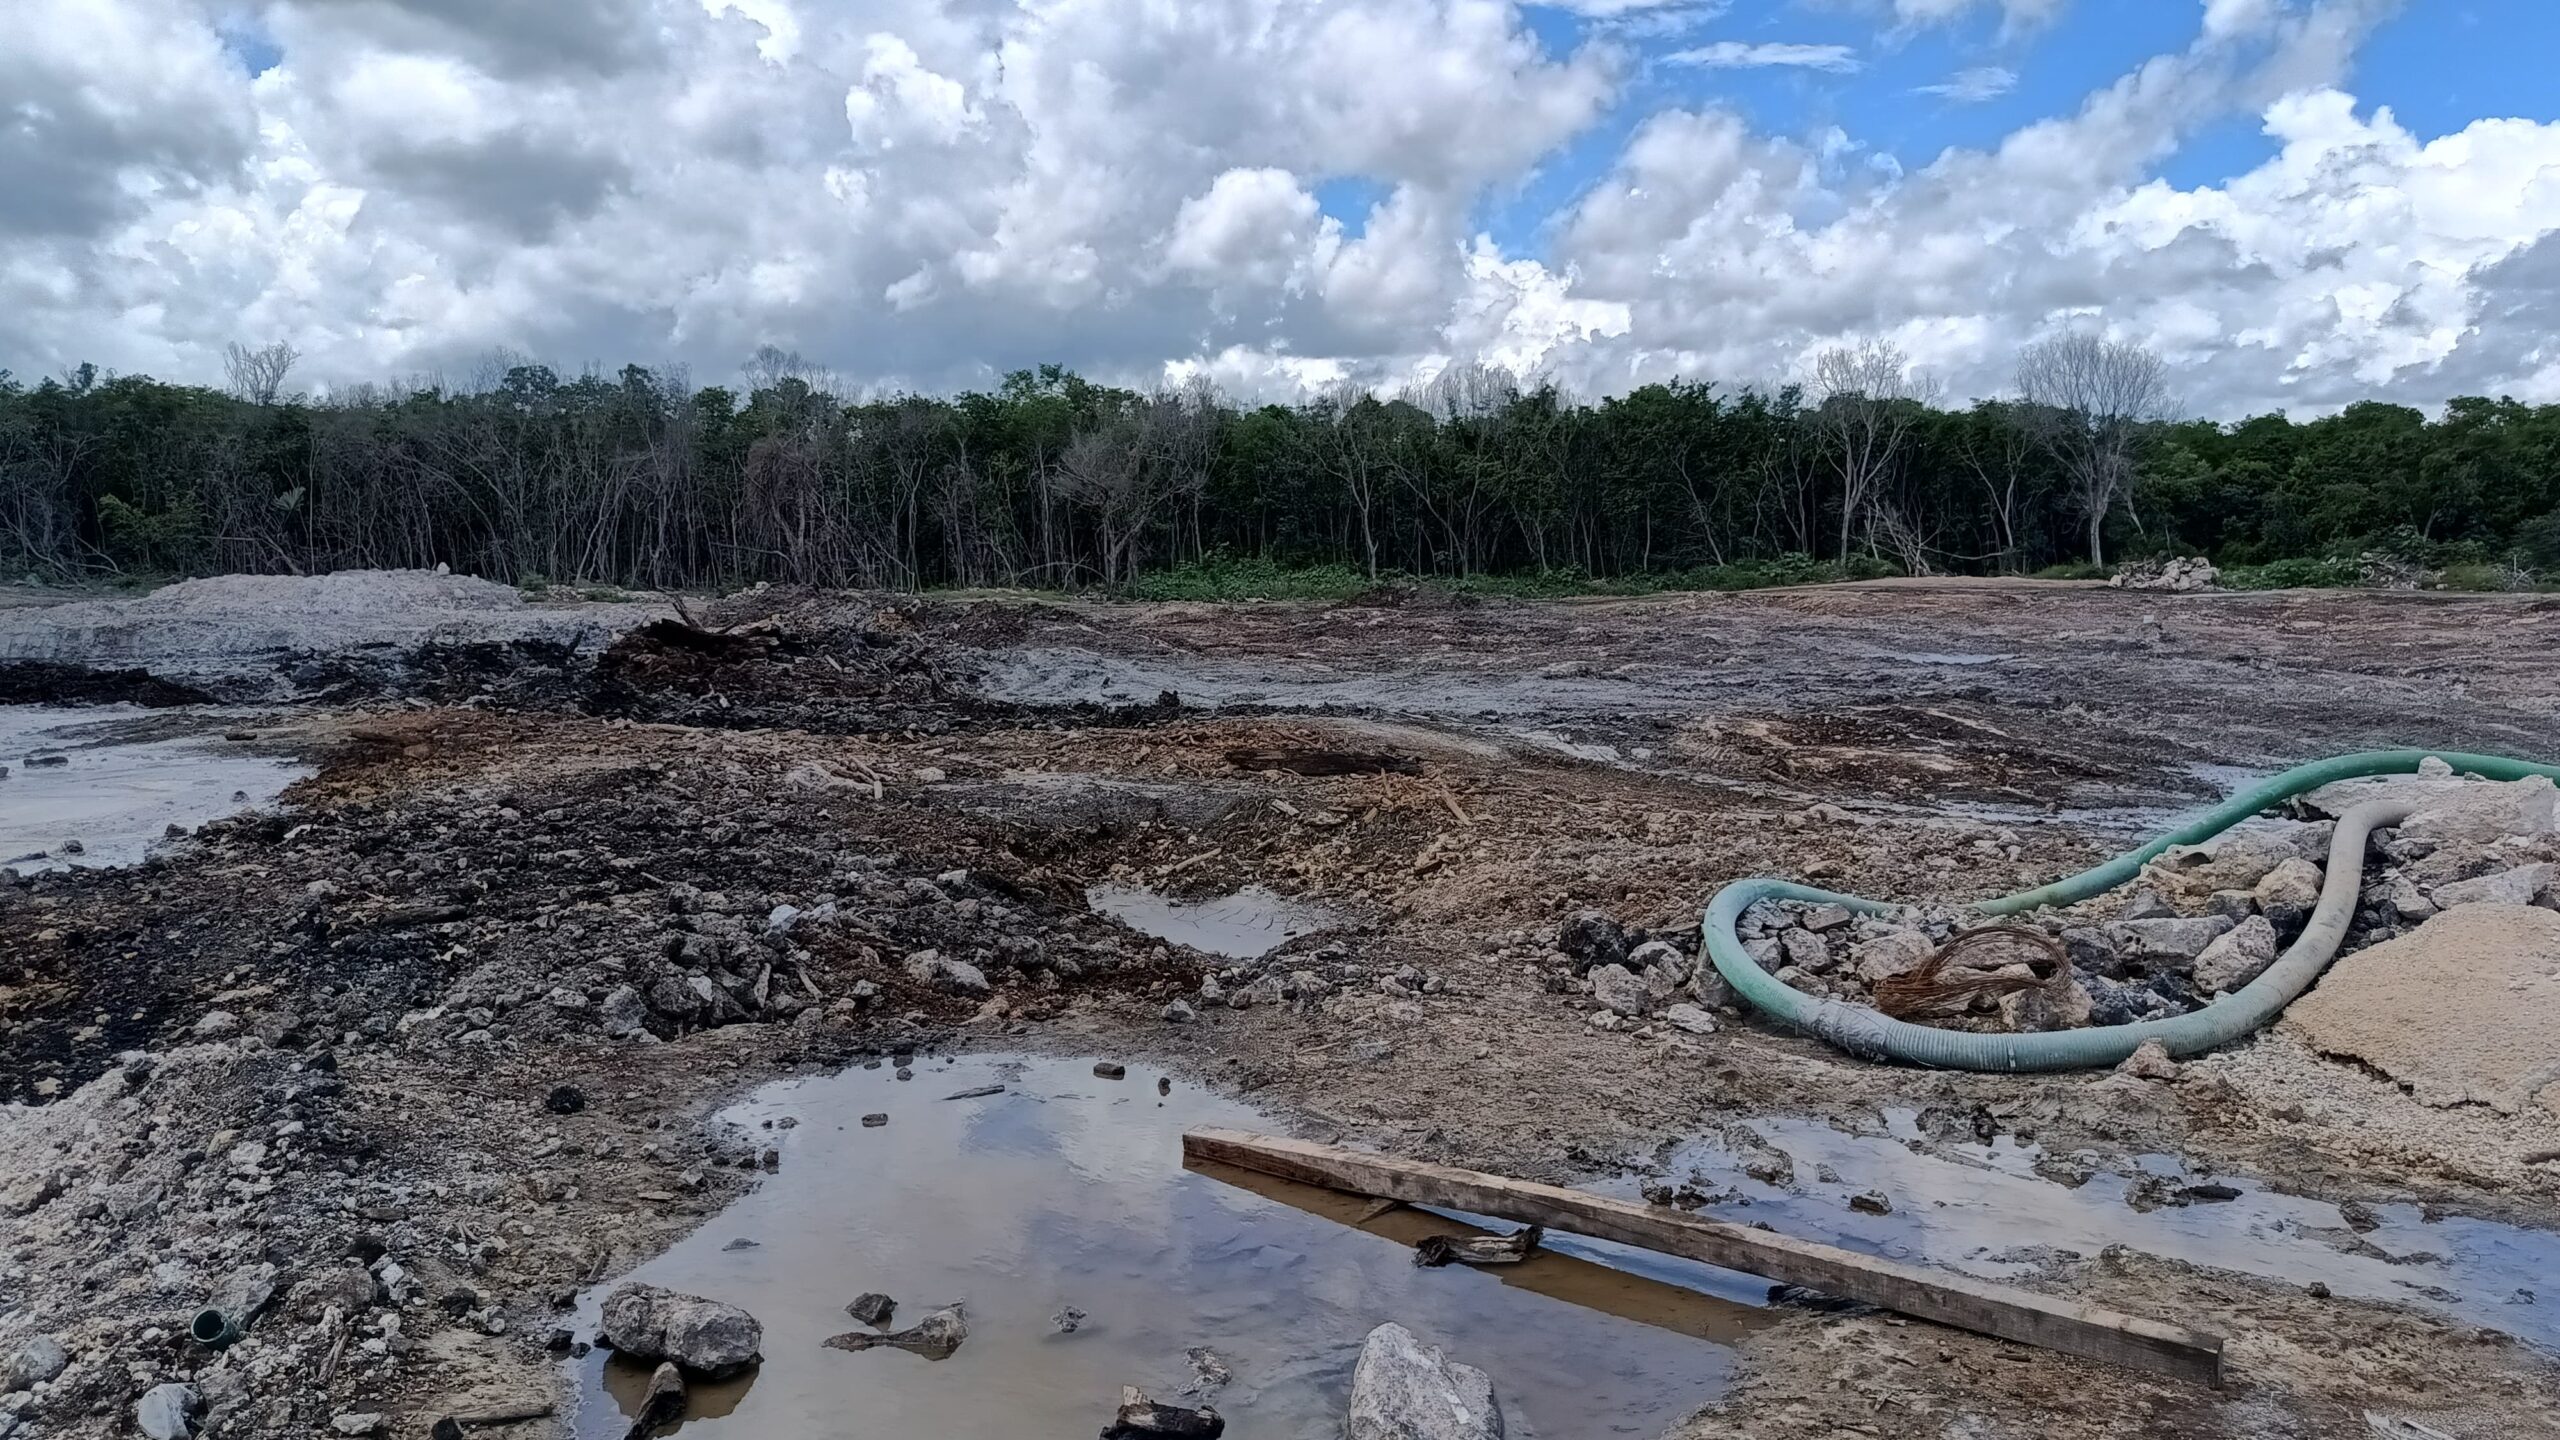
point(481, 900)
point(48, 682)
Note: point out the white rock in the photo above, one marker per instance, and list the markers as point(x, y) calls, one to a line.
point(1890, 954)
point(2407, 901)
point(706, 1337)
point(2064, 1006)
point(1403, 1389)
point(928, 967)
point(1804, 950)
point(2149, 1061)
point(2485, 813)
point(2237, 957)
point(2228, 862)
point(2295, 884)
point(357, 1422)
point(2518, 886)
point(33, 1363)
point(162, 1412)
point(1661, 953)
point(1691, 1019)
point(1618, 988)
point(2181, 939)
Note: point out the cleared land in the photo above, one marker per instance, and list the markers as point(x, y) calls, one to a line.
point(522, 866)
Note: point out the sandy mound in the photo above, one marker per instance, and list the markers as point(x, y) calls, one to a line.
point(2466, 1008)
point(215, 625)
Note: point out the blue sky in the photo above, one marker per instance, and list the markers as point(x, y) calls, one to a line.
point(2439, 65)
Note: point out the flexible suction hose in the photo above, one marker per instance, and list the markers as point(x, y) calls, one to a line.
point(1869, 1035)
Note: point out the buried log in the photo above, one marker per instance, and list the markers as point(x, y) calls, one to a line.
point(1141, 1418)
point(1302, 761)
point(934, 1337)
point(1436, 1250)
point(1947, 1298)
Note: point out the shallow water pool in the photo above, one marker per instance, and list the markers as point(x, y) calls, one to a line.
point(1068, 1190)
point(114, 778)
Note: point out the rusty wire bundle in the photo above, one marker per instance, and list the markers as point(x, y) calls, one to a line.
point(1939, 989)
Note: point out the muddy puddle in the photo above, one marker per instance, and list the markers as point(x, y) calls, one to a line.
point(1067, 1190)
point(1246, 925)
point(1070, 677)
point(2137, 820)
point(2004, 1209)
point(113, 779)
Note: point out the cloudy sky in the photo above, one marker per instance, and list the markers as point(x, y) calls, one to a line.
point(2298, 202)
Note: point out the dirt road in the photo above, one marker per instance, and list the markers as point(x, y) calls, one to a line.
point(865, 826)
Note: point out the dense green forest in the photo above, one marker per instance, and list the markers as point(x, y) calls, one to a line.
point(641, 478)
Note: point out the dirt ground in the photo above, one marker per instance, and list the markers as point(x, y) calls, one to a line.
point(465, 1000)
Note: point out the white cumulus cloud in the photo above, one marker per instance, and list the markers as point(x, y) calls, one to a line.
point(1735, 55)
point(929, 192)
point(1974, 85)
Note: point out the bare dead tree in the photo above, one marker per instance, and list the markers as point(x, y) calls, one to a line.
point(257, 376)
point(1354, 454)
point(1467, 400)
point(1870, 399)
point(1465, 390)
point(2089, 399)
point(1889, 527)
point(1134, 466)
point(772, 366)
point(1999, 462)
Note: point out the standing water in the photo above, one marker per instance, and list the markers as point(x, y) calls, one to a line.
point(1067, 1190)
point(114, 778)
point(1247, 925)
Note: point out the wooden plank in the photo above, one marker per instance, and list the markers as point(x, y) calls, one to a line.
point(1942, 1296)
point(1551, 1273)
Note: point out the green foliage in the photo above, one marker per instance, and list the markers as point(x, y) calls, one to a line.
point(2537, 541)
point(2474, 575)
point(1222, 576)
point(628, 478)
point(161, 543)
point(2300, 573)
point(2072, 570)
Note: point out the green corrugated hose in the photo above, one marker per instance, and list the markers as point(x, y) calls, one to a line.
point(1869, 1035)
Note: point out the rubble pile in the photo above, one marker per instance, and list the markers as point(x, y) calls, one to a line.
point(781, 658)
point(223, 1058)
point(2203, 922)
point(2178, 572)
point(351, 632)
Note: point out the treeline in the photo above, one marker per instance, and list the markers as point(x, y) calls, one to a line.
point(642, 478)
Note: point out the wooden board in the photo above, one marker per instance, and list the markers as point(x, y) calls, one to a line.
point(1949, 1299)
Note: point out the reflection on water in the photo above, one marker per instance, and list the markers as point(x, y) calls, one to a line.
point(1987, 1209)
point(1068, 1190)
point(125, 776)
point(1246, 925)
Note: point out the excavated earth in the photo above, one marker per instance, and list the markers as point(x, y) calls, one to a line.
point(464, 1000)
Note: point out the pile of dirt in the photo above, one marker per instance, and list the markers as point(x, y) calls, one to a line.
point(333, 636)
point(2177, 572)
point(780, 659)
point(2463, 1010)
point(824, 662)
